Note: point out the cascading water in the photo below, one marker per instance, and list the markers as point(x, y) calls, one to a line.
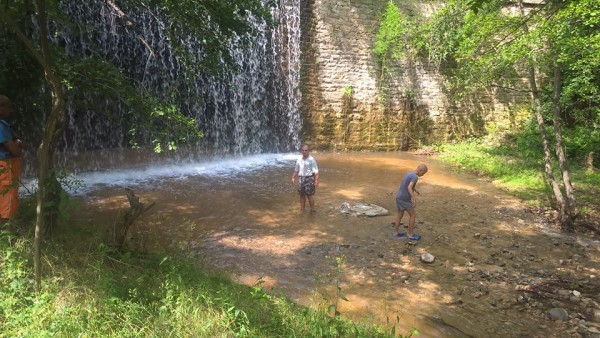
point(253, 109)
point(261, 111)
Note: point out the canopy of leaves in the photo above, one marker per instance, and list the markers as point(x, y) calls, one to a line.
point(487, 40)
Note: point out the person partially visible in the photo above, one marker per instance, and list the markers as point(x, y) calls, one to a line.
point(406, 200)
point(308, 178)
point(10, 165)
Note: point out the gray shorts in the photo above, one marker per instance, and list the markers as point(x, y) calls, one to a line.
point(404, 205)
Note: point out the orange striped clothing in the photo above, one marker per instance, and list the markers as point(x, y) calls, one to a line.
point(10, 171)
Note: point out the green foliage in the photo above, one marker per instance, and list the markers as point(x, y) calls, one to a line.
point(395, 40)
point(516, 164)
point(483, 45)
point(212, 23)
point(575, 41)
point(393, 34)
point(580, 142)
point(93, 83)
point(101, 293)
point(490, 47)
point(348, 91)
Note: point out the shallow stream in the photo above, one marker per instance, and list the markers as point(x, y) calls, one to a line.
point(242, 217)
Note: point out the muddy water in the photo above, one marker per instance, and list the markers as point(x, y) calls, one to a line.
point(249, 225)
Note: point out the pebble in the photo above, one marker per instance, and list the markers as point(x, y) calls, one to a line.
point(559, 314)
point(564, 294)
point(427, 258)
point(593, 330)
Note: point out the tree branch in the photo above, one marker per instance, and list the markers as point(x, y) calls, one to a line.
point(24, 39)
point(121, 15)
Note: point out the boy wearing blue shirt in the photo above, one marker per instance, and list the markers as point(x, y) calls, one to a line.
point(406, 201)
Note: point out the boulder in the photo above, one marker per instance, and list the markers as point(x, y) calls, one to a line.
point(363, 209)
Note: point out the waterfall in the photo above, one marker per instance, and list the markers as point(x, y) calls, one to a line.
point(253, 109)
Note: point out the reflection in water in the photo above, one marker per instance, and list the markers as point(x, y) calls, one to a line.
point(246, 222)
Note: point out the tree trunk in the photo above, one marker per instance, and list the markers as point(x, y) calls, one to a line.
point(548, 169)
point(53, 130)
point(571, 206)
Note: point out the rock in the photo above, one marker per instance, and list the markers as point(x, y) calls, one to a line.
point(559, 314)
point(363, 209)
point(345, 208)
point(576, 293)
point(478, 294)
point(592, 332)
point(427, 257)
point(564, 294)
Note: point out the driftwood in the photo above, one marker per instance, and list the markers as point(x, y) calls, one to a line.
point(122, 227)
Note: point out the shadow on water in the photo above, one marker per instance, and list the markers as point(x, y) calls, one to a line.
point(249, 225)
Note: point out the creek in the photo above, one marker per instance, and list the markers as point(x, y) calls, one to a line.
point(240, 216)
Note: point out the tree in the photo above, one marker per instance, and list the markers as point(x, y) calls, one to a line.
point(493, 40)
point(209, 24)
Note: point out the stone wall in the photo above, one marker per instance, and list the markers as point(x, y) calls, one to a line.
point(345, 105)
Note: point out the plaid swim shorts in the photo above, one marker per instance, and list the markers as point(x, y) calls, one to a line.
point(306, 185)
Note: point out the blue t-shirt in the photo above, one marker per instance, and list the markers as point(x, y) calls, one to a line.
point(403, 190)
point(6, 134)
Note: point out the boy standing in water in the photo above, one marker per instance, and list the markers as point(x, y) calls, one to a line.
point(406, 201)
point(308, 178)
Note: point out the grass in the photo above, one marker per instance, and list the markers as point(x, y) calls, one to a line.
point(90, 290)
point(516, 165)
